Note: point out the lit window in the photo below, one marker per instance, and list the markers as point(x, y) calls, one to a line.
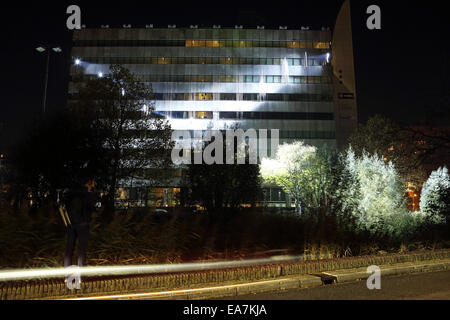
point(162, 60)
point(302, 45)
point(212, 43)
point(293, 44)
point(321, 45)
point(205, 96)
point(203, 115)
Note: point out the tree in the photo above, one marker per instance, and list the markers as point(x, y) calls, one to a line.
point(218, 186)
point(433, 146)
point(289, 170)
point(382, 136)
point(54, 153)
point(133, 139)
point(435, 197)
point(342, 191)
point(307, 174)
point(375, 191)
point(315, 179)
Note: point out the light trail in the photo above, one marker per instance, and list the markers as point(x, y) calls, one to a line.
point(46, 273)
point(173, 292)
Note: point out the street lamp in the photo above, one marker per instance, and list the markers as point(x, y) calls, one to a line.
point(42, 49)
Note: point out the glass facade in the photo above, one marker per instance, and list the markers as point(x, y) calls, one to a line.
point(225, 78)
point(210, 78)
point(204, 60)
point(205, 43)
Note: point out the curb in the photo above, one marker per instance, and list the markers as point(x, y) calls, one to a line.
point(298, 282)
point(116, 285)
point(349, 275)
point(305, 281)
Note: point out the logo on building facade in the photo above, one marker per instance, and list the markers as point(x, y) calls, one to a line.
point(348, 95)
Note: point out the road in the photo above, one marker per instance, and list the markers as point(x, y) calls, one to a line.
point(421, 286)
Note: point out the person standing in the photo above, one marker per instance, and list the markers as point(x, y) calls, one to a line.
point(79, 202)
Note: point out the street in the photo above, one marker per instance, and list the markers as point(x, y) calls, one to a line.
point(421, 286)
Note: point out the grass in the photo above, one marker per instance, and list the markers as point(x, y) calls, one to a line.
point(37, 238)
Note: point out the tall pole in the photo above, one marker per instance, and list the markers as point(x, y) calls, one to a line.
point(42, 49)
point(44, 102)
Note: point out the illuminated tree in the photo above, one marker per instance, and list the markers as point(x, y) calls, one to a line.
point(377, 191)
point(435, 197)
point(308, 174)
point(353, 193)
point(117, 108)
point(288, 169)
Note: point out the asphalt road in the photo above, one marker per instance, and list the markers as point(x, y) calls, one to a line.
point(421, 286)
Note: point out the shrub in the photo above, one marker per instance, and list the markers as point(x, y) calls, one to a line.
point(403, 225)
point(435, 197)
point(374, 191)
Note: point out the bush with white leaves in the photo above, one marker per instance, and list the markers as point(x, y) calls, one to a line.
point(377, 192)
point(435, 197)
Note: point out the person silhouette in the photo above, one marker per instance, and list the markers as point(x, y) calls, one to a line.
point(79, 202)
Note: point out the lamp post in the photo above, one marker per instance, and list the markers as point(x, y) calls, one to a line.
point(41, 49)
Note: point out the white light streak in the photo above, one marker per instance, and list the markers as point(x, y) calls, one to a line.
point(24, 274)
point(171, 293)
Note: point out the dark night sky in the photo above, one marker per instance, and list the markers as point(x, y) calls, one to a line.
point(402, 70)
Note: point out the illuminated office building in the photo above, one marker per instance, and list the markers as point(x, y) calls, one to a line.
point(298, 81)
